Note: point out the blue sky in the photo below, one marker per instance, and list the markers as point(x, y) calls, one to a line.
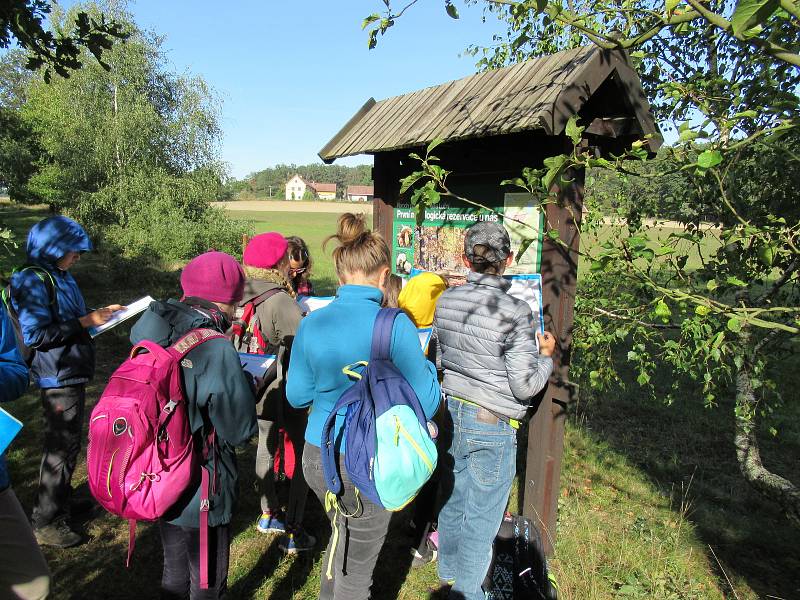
point(290, 74)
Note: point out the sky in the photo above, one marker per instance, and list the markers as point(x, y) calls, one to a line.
point(291, 74)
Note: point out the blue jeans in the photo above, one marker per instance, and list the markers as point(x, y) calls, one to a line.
point(476, 482)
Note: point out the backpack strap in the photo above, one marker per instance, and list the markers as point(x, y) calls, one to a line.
point(330, 465)
point(205, 506)
point(239, 328)
point(192, 340)
point(44, 276)
point(382, 333)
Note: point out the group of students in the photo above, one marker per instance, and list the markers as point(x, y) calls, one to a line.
point(482, 378)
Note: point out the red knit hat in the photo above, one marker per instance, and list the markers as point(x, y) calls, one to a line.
point(265, 250)
point(214, 276)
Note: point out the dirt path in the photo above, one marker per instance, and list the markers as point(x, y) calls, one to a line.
point(296, 206)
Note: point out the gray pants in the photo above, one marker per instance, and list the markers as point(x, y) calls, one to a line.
point(294, 423)
point(63, 425)
point(362, 528)
point(23, 569)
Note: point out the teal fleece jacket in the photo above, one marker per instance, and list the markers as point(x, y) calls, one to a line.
point(219, 395)
point(341, 334)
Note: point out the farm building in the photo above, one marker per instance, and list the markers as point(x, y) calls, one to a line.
point(360, 193)
point(297, 187)
point(491, 126)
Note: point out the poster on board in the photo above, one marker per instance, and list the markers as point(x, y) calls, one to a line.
point(438, 242)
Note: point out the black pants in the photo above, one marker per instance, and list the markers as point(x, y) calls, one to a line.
point(63, 425)
point(181, 577)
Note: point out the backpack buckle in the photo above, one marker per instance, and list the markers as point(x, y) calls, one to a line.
point(205, 505)
point(170, 406)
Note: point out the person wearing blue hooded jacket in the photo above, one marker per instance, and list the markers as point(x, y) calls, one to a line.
point(54, 321)
point(23, 568)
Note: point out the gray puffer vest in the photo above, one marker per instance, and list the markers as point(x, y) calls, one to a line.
point(488, 347)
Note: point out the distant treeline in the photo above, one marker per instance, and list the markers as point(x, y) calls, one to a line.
point(271, 182)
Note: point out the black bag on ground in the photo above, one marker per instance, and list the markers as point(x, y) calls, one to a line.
point(519, 568)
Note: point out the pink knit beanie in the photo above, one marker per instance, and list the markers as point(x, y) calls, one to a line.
point(265, 250)
point(214, 276)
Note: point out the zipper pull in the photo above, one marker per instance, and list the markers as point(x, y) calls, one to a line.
point(396, 431)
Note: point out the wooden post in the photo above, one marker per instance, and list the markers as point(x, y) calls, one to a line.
point(546, 431)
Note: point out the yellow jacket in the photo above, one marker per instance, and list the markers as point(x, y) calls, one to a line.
point(418, 297)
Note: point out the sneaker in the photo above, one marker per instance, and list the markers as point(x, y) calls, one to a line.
point(297, 541)
point(269, 523)
point(57, 534)
point(420, 560)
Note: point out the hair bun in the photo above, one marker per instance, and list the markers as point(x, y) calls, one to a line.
point(350, 228)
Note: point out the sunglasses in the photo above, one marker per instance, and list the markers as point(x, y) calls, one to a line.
point(297, 271)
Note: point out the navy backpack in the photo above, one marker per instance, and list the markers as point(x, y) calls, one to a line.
point(389, 453)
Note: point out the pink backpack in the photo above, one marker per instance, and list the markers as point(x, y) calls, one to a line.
point(141, 456)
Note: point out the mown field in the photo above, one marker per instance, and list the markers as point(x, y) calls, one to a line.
point(651, 506)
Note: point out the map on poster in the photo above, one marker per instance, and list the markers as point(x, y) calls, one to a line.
point(438, 243)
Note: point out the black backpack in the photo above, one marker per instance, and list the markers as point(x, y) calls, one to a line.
point(519, 568)
point(46, 278)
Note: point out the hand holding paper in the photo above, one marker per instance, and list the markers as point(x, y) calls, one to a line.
point(100, 316)
point(103, 319)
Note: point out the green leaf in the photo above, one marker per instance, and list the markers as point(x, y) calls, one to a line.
point(712, 285)
point(541, 5)
point(701, 310)
point(662, 311)
point(573, 130)
point(523, 247)
point(709, 159)
point(370, 19)
point(452, 12)
point(670, 6)
point(434, 144)
point(734, 324)
point(735, 281)
point(407, 182)
point(643, 378)
point(751, 13)
point(687, 135)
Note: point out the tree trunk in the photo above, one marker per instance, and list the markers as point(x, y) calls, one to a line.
point(773, 487)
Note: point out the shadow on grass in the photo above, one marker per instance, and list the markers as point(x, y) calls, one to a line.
point(687, 451)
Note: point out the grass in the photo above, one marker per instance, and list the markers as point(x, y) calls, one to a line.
point(647, 491)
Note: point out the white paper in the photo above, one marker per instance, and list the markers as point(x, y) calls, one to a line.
point(528, 288)
point(133, 309)
point(425, 337)
point(309, 304)
point(256, 364)
point(10, 426)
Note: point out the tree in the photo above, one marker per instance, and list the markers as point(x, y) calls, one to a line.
point(130, 150)
point(62, 48)
point(717, 304)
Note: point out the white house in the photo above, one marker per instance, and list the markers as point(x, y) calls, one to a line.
point(295, 188)
point(360, 193)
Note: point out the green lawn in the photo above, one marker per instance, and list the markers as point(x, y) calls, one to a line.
point(312, 227)
point(647, 489)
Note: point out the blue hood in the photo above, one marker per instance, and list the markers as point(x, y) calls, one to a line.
point(53, 237)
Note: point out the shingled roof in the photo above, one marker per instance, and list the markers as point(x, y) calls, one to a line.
point(538, 94)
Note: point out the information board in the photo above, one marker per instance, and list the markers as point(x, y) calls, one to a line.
point(438, 243)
